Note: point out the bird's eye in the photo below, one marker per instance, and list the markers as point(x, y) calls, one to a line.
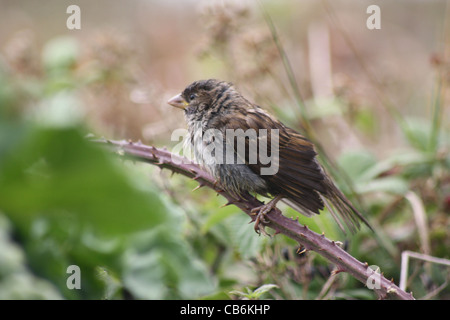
point(192, 97)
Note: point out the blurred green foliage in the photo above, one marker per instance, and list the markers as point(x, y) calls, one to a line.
point(64, 201)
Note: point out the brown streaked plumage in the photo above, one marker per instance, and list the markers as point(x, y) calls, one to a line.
point(300, 180)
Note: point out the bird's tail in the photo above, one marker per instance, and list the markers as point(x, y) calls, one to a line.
point(342, 209)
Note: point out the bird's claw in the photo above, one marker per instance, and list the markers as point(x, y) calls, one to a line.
point(260, 213)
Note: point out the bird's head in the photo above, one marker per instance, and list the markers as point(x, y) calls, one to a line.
point(206, 97)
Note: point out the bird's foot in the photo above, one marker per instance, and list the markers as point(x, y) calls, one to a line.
point(260, 213)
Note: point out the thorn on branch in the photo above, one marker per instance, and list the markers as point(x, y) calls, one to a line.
point(197, 187)
point(336, 271)
point(226, 204)
point(307, 238)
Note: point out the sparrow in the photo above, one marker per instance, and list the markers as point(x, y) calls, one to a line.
point(231, 138)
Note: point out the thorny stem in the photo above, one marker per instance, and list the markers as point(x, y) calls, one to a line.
point(384, 288)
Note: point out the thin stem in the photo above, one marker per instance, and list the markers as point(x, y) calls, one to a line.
point(305, 124)
point(310, 240)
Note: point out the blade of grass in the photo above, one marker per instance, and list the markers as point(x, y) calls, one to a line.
point(376, 84)
point(304, 120)
point(439, 93)
point(306, 128)
point(437, 115)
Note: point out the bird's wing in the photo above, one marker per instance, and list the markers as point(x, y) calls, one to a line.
point(292, 171)
point(299, 176)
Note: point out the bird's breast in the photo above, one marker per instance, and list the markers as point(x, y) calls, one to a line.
point(212, 153)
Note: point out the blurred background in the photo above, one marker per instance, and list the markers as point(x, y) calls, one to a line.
point(374, 101)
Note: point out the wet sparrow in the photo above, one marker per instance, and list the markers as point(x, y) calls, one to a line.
point(248, 150)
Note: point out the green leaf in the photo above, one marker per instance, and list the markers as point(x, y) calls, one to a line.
point(243, 236)
point(321, 223)
point(218, 216)
point(16, 280)
point(144, 275)
point(162, 265)
point(356, 162)
point(58, 172)
point(418, 132)
point(395, 185)
point(255, 294)
point(111, 282)
point(402, 158)
point(263, 289)
point(25, 286)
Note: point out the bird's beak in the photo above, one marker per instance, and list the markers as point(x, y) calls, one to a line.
point(178, 102)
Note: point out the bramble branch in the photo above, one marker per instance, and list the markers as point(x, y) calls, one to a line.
point(384, 288)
